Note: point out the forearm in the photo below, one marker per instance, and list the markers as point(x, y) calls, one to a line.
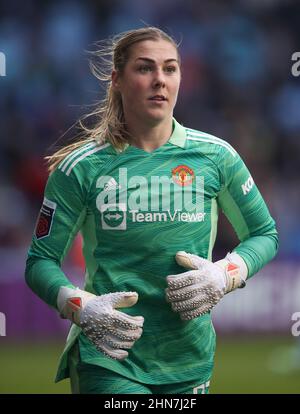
point(45, 277)
point(257, 251)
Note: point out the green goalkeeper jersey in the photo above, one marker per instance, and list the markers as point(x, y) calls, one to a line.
point(135, 210)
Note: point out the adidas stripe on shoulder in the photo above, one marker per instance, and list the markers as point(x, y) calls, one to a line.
point(193, 135)
point(74, 153)
point(78, 155)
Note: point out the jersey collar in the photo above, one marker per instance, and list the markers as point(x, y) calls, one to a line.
point(178, 136)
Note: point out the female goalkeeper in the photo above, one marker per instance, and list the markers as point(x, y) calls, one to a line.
point(144, 191)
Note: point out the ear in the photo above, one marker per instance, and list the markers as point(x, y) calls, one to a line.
point(115, 79)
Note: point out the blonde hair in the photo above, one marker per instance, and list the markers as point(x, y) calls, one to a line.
point(110, 124)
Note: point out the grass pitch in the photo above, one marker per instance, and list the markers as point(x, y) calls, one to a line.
point(242, 366)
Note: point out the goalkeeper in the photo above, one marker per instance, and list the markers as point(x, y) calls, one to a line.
point(144, 192)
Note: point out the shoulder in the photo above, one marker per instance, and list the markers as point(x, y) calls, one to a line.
point(79, 167)
point(87, 156)
point(209, 144)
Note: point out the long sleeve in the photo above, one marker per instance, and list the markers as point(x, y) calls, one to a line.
point(246, 210)
point(60, 218)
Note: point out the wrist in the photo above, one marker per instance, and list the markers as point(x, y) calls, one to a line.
point(237, 259)
point(235, 271)
point(70, 302)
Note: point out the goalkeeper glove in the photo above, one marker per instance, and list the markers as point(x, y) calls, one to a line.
point(196, 292)
point(108, 329)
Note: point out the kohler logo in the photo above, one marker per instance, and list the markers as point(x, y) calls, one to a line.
point(2, 64)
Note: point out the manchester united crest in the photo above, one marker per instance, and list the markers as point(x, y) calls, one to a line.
point(183, 175)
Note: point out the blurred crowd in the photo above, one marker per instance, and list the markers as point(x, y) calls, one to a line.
point(237, 84)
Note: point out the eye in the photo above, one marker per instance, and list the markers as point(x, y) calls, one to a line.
point(170, 69)
point(144, 68)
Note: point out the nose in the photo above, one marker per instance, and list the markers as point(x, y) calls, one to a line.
point(159, 79)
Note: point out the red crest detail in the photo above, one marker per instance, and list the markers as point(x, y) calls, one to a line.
point(183, 175)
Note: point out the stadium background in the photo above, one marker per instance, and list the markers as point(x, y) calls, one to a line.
point(237, 84)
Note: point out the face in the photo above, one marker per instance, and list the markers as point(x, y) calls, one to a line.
point(150, 82)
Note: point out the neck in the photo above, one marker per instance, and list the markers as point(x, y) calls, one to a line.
point(149, 137)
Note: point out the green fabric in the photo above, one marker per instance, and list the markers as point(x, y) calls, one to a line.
point(45, 278)
point(133, 249)
point(98, 380)
point(92, 379)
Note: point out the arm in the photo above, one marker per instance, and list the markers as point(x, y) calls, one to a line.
point(197, 291)
point(246, 210)
point(61, 217)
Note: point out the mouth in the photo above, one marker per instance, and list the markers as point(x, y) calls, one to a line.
point(159, 98)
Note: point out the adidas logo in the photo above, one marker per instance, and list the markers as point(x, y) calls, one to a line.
point(111, 185)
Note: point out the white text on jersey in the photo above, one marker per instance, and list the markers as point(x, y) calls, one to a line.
point(247, 186)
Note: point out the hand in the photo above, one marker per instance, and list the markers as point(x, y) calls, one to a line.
point(196, 292)
point(108, 329)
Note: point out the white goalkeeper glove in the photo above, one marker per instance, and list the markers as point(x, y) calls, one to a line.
point(108, 329)
point(196, 292)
